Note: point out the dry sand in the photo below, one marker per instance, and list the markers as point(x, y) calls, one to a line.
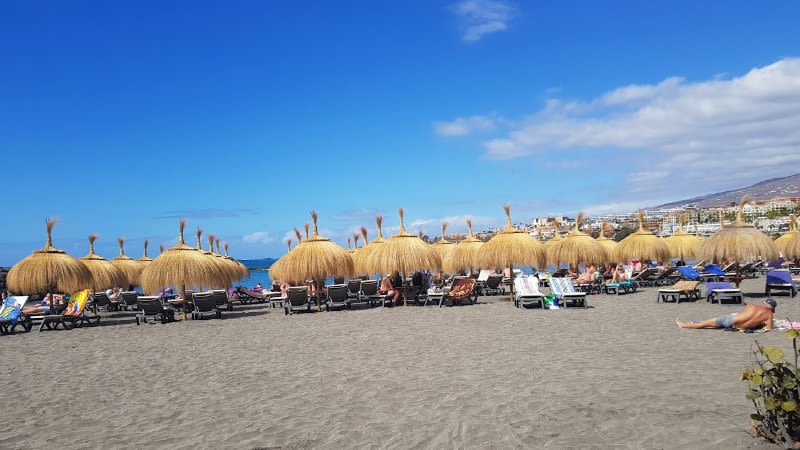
point(619, 374)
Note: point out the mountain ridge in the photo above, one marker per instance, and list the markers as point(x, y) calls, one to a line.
point(788, 186)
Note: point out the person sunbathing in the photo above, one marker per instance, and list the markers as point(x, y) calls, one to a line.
point(388, 289)
point(586, 277)
point(752, 317)
point(619, 275)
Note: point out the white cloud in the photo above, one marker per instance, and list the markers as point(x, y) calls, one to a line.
point(719, 133)
point(258, 237)
point(463, 126)
point(482, 17)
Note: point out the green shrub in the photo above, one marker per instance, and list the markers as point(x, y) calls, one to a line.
point(773, 383)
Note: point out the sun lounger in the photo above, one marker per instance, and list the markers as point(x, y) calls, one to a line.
point(780, 280)
point(717, 291)
point(337, 297)
point(11, 315)
point(221, 299)
point(151, 308)
point(354, 288)
point(663, 278)
point(73, 316)
point(644, 277)
point(101, 300)
point(565, 291)
point(689, 273)
point(246, 296)
point(129, 300)
point(526, 292)
point(494, 285)
point(463, 289)
point(297, 300)
point(686, 290)
point(369, 292)
point(205, 306)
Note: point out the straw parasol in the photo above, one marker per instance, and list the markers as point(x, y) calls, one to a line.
point(364, 255)
point(104, 274)
point(609, 244)
point(241, 270)
point(47, 270)
point(276, 269)
point(129, 266)
point(511, 246)
point(444, 248)
point(404, 252)
point(681, 244)
point(465, 254)
point(792, 248)
point(145, 259)
point(577, 247)
point(738, 241)
point(222, 269)
point(160, 248)
point(641, 245)
point(783, 240)
point(316, 258)
point(549, 245)
point(179, 266)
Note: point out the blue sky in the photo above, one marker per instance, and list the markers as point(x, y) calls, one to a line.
point(243, 116)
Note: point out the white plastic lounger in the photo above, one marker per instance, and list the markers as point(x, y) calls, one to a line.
point(565, 291)
point(526, 290)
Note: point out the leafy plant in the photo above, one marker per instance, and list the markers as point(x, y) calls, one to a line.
point(773, 386)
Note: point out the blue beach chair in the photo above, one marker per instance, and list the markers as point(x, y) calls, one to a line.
point(780, 280)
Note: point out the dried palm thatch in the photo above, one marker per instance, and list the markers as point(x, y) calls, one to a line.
point(609, 244)
point(792, 248)
point(511, 246)
point(404, 252)
point(361, 266)
point(465, 254)
point(160, 248)
point(681, 244)
point(145, 259)
point(226, 272)
point(276, 269)
point(241, 270)
point(180, 266)
point(738, 241)
point(578, 247)
point(549, 245)
point(641, 245)
point(104, 274)
point(316, 258)
point(48, 270)
point(783, 240)
point(443, 247)
point(129, 266)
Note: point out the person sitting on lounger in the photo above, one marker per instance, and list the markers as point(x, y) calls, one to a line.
point(258, 288)
point(619, 275)
point(387, 288)
point(586, 277)
point(752, 317)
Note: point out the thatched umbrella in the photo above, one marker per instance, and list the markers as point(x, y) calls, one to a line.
point(47, 270)
point(217, 265)
point(145, 259)
point(609, 244)
point(641, 245)
point(738, 241)
point(160, 248)
point(465, 254)
point(129, 266)
point(241, 270)
point(783, 240)
point(681, 244)
point(404, 252)
point(511, 246)
point(792, 248)
point(104, 274)
point(364, 256)
point(316, 258)
point(179, 266)
point(276, 269)
point(444, 249)
point(577, 247)
point(548, 247)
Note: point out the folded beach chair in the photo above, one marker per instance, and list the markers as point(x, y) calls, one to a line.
point(337, 297)
point(780, 280)
point(565, 291)
point(153, 309)
point(689, 273)
point(684, 289)
point(463, 289)
point(221, 299)
point(526, 292)
point(205, 306)
point(129, 300)
point(11, 315)
point(297, 300)
point(73, 316)
point(717, 291)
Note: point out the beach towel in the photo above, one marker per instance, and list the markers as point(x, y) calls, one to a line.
point(689, 273)
point(714, 269)
point(77, 303)
point(779, 277)
point(12, 308)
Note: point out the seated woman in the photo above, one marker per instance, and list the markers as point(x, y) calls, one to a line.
point(619, 275)
point(37, 307)
point(586, 277)
point(388, 289)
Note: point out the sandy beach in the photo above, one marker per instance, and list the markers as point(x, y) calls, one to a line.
point(619, 374)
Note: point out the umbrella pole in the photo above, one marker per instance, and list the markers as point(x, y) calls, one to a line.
point(183, 296)
point(511, 290)
point(403, 287)
point(319, 284)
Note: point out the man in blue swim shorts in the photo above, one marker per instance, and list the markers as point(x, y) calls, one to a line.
point(752, 317)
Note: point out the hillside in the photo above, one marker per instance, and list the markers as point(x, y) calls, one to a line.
point(763, 190)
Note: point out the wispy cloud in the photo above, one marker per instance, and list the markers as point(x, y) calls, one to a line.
point(669, 132)
point(206, 213)
point(258, 237)
point(481, 17)
point(463, 126)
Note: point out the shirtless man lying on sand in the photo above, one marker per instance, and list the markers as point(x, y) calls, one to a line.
point(752, 317)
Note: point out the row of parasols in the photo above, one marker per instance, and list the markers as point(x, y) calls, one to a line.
point(50, 269)
point(317, 258)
